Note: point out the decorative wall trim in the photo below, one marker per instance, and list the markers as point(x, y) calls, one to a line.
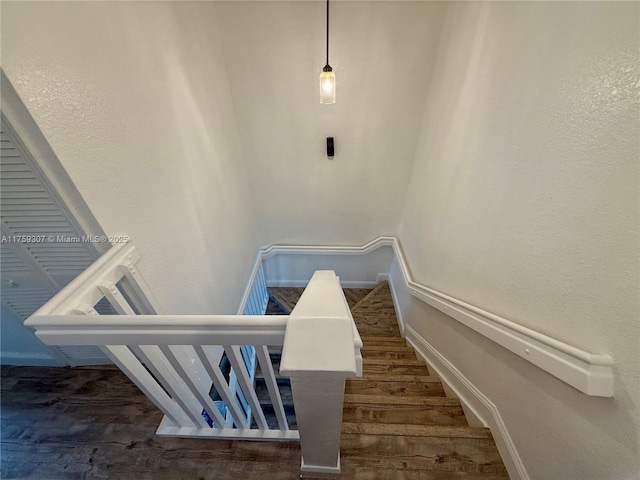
point(590, 373)
point(474, 399)
point(267, 252)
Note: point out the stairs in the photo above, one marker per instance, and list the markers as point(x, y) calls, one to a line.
point(284, 386)
point(397, 423)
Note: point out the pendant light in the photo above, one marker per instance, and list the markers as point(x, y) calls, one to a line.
point(327, 77)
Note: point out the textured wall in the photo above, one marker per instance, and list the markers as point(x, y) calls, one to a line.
point(135, 101)
point(524, 202)
point(275, 52)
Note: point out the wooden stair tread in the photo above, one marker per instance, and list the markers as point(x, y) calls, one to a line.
point(424, 452)
point(412, 430)
point(380, 377)
point(355, 470)
point(370, 295)
point(405, 414)
point(408, 362)
point(355, 295)
point(360, 399)
point(286, 297)
point(393, 370)
point(449, 460)
point(387, 348)
point(409, 388)
point(382, 340)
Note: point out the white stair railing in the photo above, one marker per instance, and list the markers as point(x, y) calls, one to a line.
point(175, 359)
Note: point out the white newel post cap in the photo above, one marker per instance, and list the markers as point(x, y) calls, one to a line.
point(319, 335)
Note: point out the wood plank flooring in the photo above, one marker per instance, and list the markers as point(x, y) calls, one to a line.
point(78, 423)
point(93, 423)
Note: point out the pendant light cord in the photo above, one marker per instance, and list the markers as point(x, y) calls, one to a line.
point(327, 32)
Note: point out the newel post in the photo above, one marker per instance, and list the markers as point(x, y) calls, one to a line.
point(318, 355)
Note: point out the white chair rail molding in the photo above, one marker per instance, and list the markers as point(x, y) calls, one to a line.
point(588, 372)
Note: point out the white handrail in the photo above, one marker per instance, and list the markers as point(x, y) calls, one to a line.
point(159, 329)
point(176, 359)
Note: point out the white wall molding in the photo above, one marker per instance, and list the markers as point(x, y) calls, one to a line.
point(474, 399)
point(590, 373)
point(272, 250)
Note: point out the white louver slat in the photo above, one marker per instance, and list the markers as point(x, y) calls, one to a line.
point(37, 256)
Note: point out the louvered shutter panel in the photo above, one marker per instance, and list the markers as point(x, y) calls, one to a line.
point(34, 271)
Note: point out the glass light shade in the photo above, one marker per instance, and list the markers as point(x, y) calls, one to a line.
point(327, 87)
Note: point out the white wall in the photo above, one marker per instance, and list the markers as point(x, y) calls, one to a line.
point(135, 101)
point(274, 54)
point(18, 345)
point(524, 202)
point(355, 271)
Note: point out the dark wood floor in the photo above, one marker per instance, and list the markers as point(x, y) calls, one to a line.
point(76, 423)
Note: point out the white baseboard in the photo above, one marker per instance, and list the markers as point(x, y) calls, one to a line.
point(396, 306)
point(483, 408)
point(381, 277)
point(28, 359)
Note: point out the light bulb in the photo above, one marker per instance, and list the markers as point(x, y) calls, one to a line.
point(327, 87)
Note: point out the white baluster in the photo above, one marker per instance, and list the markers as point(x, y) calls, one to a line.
point(161, 368)
point(182, 362)
point(131, 366)
point(213, 369)
point(237, 363)
point(115, 298)
point(272, 385)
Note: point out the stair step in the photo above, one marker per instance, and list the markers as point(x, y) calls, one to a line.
point(359, 399)
point(354, 295)
point(369, 295)
point(382, 377)
point(280, 380)
point(381, 354)
point(284, 387)
point(414, 430)
point(390, 361)
point(369, 340)
point(387, 348)
point(405, 414)
point(381, 330)
point(366, 386)
point(272, 419)
point(418, 453)
point(394, 369)
point(286, 297)
point(354, 470)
